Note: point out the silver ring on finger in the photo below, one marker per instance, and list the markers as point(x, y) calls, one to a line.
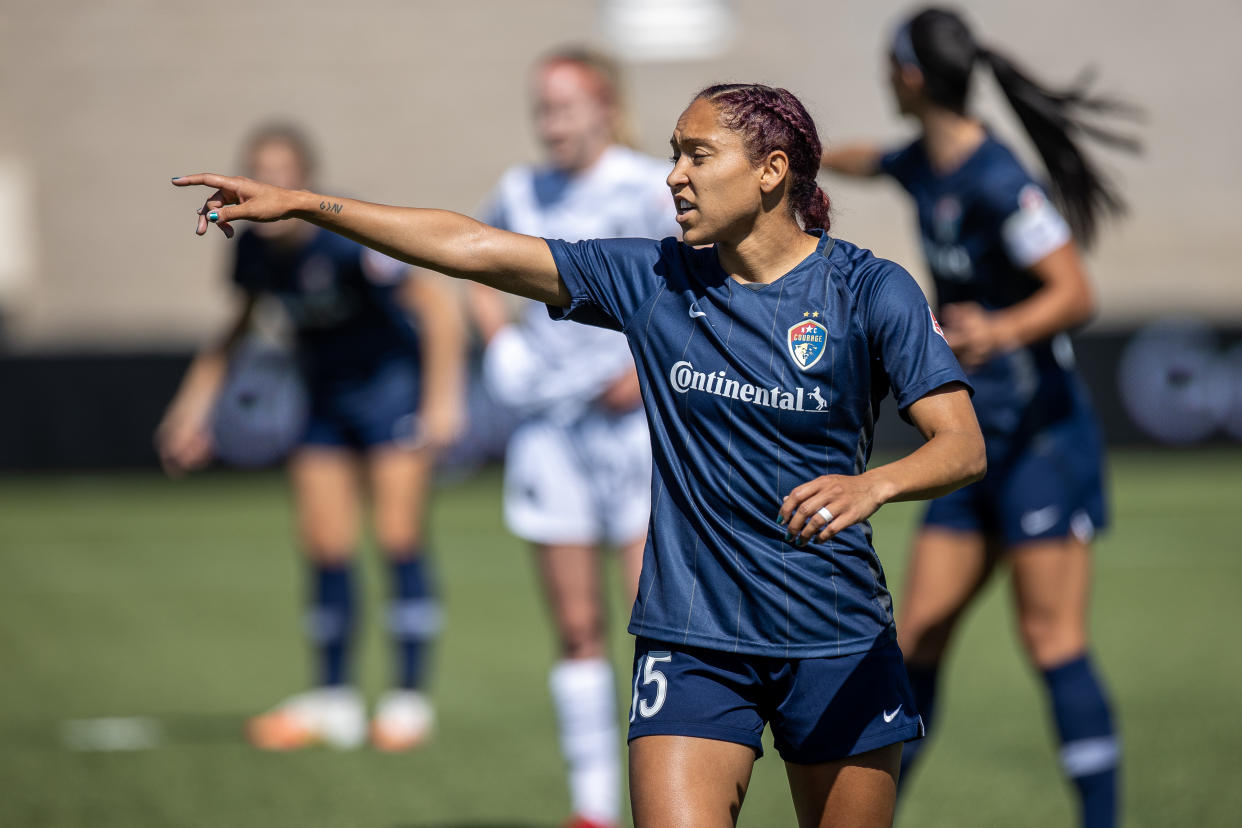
point(824, 513)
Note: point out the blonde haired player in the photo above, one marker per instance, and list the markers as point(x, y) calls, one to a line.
point(578, 467)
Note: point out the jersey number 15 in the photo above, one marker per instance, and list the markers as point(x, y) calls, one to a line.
point(645, 677)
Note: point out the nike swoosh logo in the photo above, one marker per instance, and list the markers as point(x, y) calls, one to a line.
point(888, 717)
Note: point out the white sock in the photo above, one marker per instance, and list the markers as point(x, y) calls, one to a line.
point(586, 708)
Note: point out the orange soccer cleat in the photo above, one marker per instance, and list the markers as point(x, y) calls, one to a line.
point(332, 716)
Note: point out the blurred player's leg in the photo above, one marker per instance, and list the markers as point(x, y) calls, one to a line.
point(947, 569)
point(856, 791)
point(582, 683)
point(684, 780)
point(325, 488)
point(400, 479)
point(1051, 584)
point(548, 501)
point(631, 555)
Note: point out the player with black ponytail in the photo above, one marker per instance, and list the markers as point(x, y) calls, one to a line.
point(1010, 285)
point(945, 52)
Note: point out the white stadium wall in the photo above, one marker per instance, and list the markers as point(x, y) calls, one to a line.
point(425, 103)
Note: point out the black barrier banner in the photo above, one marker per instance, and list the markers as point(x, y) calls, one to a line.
point(1173, 381)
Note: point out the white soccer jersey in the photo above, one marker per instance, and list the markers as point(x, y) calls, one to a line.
point(623, 195)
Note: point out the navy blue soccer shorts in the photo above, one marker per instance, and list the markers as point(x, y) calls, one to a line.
point(1048, 486)
point(819, 709)
point(367, 411)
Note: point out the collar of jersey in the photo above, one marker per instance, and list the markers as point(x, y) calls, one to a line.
point(822, 249)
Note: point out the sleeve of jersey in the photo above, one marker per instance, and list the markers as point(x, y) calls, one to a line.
point(896, 165)
point(905, 336)
point(1030, 225)
point(607, 279)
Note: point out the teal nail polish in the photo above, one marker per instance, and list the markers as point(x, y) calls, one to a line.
point(176, 178)
point(788, 537)
point(780, 520)
point(213, 216)
point(800, 542)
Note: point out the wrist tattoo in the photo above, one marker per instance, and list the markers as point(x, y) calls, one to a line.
point(330, 206)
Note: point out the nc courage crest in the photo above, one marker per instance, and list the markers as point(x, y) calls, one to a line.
point(807, 341)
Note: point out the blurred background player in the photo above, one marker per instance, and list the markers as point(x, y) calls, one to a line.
point(578, 466)
point(382, 358)
point(1010, 285)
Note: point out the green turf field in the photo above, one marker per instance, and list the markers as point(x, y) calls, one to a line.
point(132, 596)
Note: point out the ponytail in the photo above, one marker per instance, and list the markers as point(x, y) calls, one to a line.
point(814, 211)
point(1053, 120)
point(943, 48)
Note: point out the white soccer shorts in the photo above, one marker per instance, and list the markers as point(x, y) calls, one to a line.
point(588, 482)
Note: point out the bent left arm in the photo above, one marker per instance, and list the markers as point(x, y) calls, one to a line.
point(623, 394)
point(1063, 301)
point(442, 331)
point(951, 457)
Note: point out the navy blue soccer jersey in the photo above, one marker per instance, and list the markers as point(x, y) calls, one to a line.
point(983, 225)
point(750, 392)
point(341, 298)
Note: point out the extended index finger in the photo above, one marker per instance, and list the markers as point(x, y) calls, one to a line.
point(220, 182)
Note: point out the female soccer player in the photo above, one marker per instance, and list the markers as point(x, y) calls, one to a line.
point(385, 395)
point(761, 598)
point(578, 467)
point(1010, 285)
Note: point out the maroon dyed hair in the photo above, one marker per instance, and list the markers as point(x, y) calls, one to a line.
point(770, 119)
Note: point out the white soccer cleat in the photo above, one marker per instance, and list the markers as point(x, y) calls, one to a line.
point(332, 716)
point(404, 720)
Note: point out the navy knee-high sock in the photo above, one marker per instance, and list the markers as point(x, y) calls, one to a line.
point(414, 617)
point(330, 620)
point(1090, 750)
point(923, 683)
